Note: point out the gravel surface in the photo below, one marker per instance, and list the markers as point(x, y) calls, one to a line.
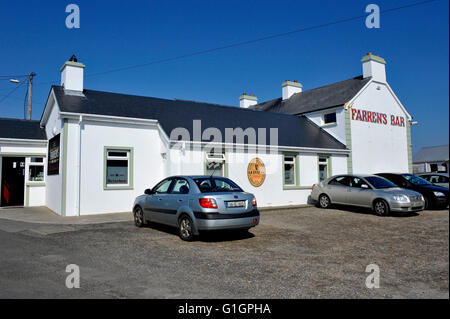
point(295, 253)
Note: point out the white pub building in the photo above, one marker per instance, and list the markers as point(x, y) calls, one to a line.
point(93, 152)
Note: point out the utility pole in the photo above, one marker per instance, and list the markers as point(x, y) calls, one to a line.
point(30, 92)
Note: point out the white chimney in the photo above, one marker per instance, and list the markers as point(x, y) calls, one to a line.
point(374, 66)
point(246, 101)
point(289, 88)
point(72, 75)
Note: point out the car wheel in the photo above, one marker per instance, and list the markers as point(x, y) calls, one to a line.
point(324, 201)
point(138, 217)
point(381, 208)
point(426, 204)
point(186, 228)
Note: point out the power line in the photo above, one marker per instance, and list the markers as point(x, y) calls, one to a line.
point(256, 40)
point(242, 43)
point(11, 92)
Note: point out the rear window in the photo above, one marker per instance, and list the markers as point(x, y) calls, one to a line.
point(216, 185)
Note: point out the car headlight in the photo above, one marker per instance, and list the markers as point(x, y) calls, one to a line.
point(401, 198)
point(439, 194)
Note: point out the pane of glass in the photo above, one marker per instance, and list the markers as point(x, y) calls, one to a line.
point(163, 187)
point(329, 118)
point(289, 174)
point(289, 159)
point(37, 160)
point(117, 154)
point(323, 172)
point(214, 169)
point(36, 173)
point(323, 159)
point(116, 172)
point(181, 187)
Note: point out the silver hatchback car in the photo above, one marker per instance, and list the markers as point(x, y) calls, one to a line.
point(367, 191)
point(195, 203)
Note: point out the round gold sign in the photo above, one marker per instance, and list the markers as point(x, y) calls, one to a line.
point(256, 172)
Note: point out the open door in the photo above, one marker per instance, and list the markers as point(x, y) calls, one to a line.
point(13, 181)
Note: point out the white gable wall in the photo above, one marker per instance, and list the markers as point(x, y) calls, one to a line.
point(378, 147)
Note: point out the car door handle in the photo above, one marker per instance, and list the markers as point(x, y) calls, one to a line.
point(160, 198)
point(180, 200)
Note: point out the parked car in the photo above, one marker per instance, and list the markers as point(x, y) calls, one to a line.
point(438, 179)
point(435, 196)
point(196, 203)
point(366, 191)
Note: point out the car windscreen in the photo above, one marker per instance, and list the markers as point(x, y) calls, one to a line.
point(379, 182)
point(216, 185)
point(416, 180)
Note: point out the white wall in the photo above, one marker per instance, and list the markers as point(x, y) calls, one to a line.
point(271, 193)
point(148, 166)
point(53, 183)
point(377, 147)
point(338, 130)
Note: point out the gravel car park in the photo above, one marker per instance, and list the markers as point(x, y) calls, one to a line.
point(293, 253)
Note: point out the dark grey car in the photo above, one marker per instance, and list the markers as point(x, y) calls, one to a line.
point(195, 203)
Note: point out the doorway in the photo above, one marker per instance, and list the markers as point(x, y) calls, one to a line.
point(13, 181)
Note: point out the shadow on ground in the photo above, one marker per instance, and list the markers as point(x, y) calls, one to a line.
point(206, 236)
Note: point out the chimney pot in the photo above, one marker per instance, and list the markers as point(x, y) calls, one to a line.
point(246, 101)
point(374, 66)
point(289, 88)
point(72, 75)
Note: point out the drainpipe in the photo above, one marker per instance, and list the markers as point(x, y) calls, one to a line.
point(80, 121)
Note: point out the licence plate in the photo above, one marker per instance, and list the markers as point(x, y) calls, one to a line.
point(240, 203)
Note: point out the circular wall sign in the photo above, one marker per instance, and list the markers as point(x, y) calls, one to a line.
point(256, 172)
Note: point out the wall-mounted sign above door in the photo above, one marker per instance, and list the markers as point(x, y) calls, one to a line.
point(256, 172)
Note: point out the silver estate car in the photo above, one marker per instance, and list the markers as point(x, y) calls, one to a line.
point(367, 191)
point(196, 203)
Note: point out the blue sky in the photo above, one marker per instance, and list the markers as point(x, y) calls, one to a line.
point(114, 34)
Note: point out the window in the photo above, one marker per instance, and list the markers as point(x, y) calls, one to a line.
point(329, 118)
point(181, 186)
point(290, 170)
point(118, 168)
point(379, 182)
point(357, 182)
point(215, 164)
point(163, 187)
point(36, 169)
point(323, 168)
point(340, 181)
point(216, 184)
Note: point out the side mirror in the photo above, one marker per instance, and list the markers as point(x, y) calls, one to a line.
point(148, 191)
point(365, 186)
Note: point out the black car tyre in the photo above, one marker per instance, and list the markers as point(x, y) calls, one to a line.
point(138, 217)
point(381, 208)
point(186, 228)
point(426, 204)
point(324, 201)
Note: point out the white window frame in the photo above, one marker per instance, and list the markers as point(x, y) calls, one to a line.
point(294, 163)
point(30, 163)
point(331, 123)
point(212, 158)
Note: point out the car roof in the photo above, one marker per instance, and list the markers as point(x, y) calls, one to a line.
point(441, 174)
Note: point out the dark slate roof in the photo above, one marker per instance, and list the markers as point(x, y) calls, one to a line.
point(292, 130)
point(321, 98)
point(432, 154)
point(21, 129)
